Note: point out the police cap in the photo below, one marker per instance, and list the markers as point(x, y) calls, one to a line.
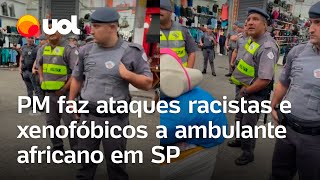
point(104, 15)
point(73, 37)
point(240, 25)
point(166, 5)
point(314, 11)
point(252, 10)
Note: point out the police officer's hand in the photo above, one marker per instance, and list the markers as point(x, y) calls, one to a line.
point(60, 92)
point(20, 71)
point(275, 117)
point(124, 72)
point(34, 71)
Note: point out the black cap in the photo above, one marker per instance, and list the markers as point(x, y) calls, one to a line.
point(314, 11)
point(104, 15)
point(263, 13)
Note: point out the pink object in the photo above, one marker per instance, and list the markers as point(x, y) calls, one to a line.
point(173, 54)
point(87, 29)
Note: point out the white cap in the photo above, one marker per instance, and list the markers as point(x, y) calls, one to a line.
point(175, 79)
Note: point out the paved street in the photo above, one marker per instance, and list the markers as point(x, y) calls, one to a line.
point(12, 86)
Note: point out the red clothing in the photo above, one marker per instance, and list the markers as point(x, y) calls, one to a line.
point(275, 14)
point(224, 14)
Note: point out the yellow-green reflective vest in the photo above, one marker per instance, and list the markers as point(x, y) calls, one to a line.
point(55, 71)
point(175, 41)
point(244, 73)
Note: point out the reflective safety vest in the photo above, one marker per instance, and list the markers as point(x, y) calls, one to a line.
point(175, 41)
point(55, 71)
point(244, 73)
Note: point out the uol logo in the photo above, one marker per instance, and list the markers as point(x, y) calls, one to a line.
point(28, 26)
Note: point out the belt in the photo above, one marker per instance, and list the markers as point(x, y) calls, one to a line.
point(289, 121)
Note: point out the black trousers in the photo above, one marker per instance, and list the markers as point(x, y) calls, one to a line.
point(296, 153)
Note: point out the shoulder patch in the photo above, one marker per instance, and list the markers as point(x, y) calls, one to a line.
point(134, 45)
point(144, 56)
point(267, 44)
point(270, 55)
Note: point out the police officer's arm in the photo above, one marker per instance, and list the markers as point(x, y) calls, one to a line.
point(77, 78)
point(234, 54)
point(226, 44)
point(20, 61)
point(282, 85)
point(39, 61)
point(72, 59)
point(191, 48)
point(137, 80)
point(233, 37)
point(135, 68)
point(200, 42)
point(268, 57)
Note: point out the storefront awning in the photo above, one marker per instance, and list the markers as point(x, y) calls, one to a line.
point(153, 35)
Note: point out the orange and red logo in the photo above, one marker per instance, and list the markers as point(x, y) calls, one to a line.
point(28, 26)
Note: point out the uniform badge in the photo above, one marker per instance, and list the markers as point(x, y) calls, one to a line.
point(176, 35)
point(55, 60)
point(270, 55)
point(109, 64)
point(316, 73)
point(57, 50)
point(144, 56)
point(251, 46)
point(76, 52)
point(29, 52)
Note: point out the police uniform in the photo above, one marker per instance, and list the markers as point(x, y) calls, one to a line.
point(98, 69)
point(57, 65)
point(208, 51)
point(300, 150)
point(257, 62)
point(27, 63)
point(240, 43)
point(232, 46)
point(177, 38)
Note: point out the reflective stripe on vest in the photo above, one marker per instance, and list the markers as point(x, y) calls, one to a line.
point(245, 68)
point(175, 42)
point(55, 69)
point(53, 74)
point(52, 85)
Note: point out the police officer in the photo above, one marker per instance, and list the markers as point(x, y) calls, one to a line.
point(240, 43)
point(73, 41)
point(254, 76)
point(35, 55)
point(56, 63)
point(230, 44)
point(106, 67)
point(299, 84)
point(207, 42)
point(176, 37)
point(26, 63)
